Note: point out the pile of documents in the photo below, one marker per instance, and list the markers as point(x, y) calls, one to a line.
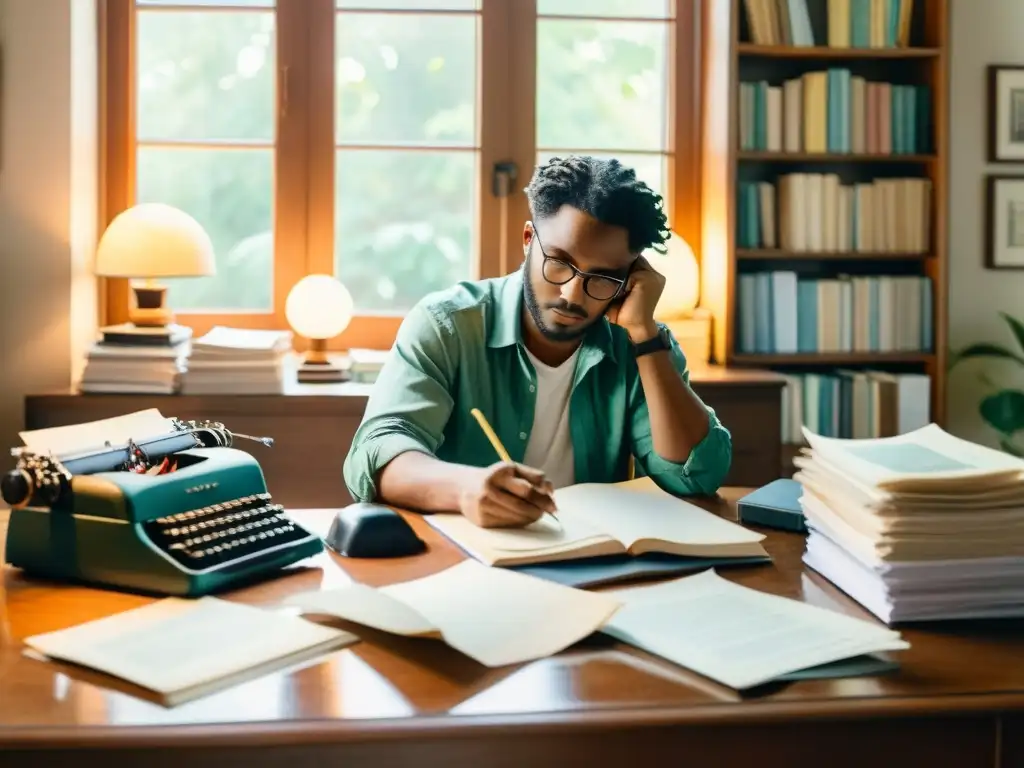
point(238, 361)
point(137, 360)
point(918, 527)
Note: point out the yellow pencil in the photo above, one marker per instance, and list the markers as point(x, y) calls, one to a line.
point(493, 437)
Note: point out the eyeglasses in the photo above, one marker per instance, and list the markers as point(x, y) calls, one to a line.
point(559, 272)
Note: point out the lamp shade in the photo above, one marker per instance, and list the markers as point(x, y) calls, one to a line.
point(319, 307)
point(153, 240)
point(682, 279)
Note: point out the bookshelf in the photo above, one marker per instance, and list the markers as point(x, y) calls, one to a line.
point(825, 152)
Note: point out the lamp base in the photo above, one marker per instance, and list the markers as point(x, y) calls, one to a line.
point(318, 368)
point(150, 309)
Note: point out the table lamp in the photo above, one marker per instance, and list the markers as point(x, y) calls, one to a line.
point(677, 307)
point(319, 307)
point(152, 241)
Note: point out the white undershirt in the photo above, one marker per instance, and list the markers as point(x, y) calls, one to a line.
point(550, 445)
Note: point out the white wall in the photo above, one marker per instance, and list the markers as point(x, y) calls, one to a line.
point(48, 198)
point(983, 32)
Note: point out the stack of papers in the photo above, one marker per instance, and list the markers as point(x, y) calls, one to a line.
point(922, 526)
point(238, 361)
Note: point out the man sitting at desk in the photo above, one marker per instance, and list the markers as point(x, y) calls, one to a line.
point(564, 359)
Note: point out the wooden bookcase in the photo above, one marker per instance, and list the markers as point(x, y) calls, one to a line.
point(731, 57)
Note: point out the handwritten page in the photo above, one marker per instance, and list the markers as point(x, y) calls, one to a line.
point(183, 648)
point(739, 636)
point(117, 430)
point(494, 616)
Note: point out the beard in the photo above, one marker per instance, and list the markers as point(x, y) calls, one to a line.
point(548, 331)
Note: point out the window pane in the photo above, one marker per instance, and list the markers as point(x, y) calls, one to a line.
point(229, 192)
point(601, 84)
point(657, 9)
point(405, 78)
point(206, 75)
point(405, 224)
point(650, 169)
point(418, 5)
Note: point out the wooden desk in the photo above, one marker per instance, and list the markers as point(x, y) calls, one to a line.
point(313, 426)
point(957, 701)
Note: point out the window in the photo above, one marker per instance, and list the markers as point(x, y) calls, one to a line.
point(360, 137)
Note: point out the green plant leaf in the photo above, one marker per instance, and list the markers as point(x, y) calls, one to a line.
point(1004, 411)
point(1010, 448)
point(986, 350)
point(1017, 327)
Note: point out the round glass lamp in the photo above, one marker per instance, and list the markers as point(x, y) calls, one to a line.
point(152, 241)
point(319, 307)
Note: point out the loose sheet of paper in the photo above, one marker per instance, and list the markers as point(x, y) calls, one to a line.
point(175, 644)
point(117, 430)
point(494, 616)
point(739, 636)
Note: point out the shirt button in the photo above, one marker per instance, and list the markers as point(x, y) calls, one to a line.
point(522, 435)
point(533, 388)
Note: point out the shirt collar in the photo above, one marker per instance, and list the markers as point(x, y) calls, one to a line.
point(506, 329)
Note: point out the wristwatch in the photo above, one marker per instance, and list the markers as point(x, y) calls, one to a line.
point(654, 344)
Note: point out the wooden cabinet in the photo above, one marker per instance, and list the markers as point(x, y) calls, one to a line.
point(313, 426)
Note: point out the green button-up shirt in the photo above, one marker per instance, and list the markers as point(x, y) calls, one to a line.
point(462, 348)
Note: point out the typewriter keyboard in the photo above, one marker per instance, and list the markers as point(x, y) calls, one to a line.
point(221, 533)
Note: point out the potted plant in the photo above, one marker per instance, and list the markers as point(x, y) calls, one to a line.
point(1003, 408)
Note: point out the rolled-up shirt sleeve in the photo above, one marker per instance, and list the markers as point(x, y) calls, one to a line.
point(410, 403)
point(704, 470)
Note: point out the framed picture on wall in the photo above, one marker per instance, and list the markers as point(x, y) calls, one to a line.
point(1004, 222)
point(1006, 113)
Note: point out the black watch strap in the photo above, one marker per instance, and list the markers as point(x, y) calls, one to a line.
point(654, 344)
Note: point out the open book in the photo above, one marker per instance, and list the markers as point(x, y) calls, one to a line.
point(742, 637)
point(182, 649)
point(495, 617)
point(594, 519)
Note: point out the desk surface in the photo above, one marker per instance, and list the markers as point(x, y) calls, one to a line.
point(386, 687)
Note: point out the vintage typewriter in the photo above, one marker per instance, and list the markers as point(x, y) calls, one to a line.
point(179, 513)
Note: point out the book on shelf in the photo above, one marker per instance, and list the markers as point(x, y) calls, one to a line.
point(856, 404)
point(837, 112)
point(818, 213)
point(848, 23)
point(781, 312)
point(601, 519)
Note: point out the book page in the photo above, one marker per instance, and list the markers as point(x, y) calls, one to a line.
point(175, 644)
point(544, 535)
point(736, 635)
point(638, 511)
point(494, 616)
point(90, 435)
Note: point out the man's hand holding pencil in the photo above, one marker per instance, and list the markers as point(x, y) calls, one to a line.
point(509, 495)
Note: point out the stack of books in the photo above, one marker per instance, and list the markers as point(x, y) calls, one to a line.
point(919, 527)
point(238, 361)
point(138, 360)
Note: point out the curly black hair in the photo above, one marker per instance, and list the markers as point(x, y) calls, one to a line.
point(605, 189)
